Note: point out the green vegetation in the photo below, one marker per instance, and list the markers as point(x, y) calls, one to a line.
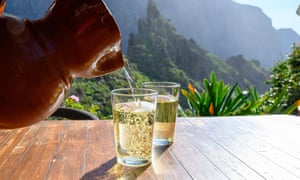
point(158, 53)
point(94, 94)
point(162, 54)
point(285, 80)
point(217, 99)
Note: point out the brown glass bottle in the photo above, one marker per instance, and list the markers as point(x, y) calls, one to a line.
point(39, 59)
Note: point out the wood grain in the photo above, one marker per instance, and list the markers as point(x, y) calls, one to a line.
point(248, 147)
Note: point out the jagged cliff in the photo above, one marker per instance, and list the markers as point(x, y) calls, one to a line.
point(163, 54)
point(223, 27)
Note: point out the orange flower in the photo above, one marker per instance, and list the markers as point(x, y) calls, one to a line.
point(298, 106)
point(211, 109)
point(298, 102)
point(191, 88)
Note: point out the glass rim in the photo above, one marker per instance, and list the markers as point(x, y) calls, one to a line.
point(149, 84)
point(133, 92)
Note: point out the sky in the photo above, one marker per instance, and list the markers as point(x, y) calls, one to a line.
point(282, 12)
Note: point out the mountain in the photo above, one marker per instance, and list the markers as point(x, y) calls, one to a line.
point(223, 27)
point(250, 71)
point(162, 54)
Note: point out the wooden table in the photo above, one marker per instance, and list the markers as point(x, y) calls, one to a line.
point(249, 147)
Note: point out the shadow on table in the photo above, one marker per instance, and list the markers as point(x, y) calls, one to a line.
point(159, 150)
point(112, 170)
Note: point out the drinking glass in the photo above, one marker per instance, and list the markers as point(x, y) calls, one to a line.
point(166, 111)
point(134, 116)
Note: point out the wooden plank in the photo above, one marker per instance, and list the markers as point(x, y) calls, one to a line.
point(230, 166)
point(111, 170)
point(100, 157)
point(167, 166)
point(36, 160)
point(11, 140)
point(147, 172)
point(251, 147)
point(152, 171)
point(235, 142)
point(274, 140)
point(68, 158)
point(104, 153)
point(281, 132)
point(9, 161)
point(5, 135)
point(100, 147)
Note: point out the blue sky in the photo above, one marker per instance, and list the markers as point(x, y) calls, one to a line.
point(282, 12)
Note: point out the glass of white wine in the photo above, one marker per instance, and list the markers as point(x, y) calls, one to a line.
point(134, 112)
point(166, 112)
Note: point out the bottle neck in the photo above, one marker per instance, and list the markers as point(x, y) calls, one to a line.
point(85, 34)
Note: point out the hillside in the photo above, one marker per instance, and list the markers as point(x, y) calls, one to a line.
point(227, 29)
point(223, 27)
point(162, 54)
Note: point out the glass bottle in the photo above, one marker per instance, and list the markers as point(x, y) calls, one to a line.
point(40, 58)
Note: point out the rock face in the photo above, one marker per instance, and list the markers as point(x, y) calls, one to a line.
point(163, 54)
point(223, 27)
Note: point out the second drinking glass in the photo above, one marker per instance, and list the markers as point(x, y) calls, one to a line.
point(166, 111)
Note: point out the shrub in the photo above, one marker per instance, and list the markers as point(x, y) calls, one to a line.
point(217, 99)
point(285, 79)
